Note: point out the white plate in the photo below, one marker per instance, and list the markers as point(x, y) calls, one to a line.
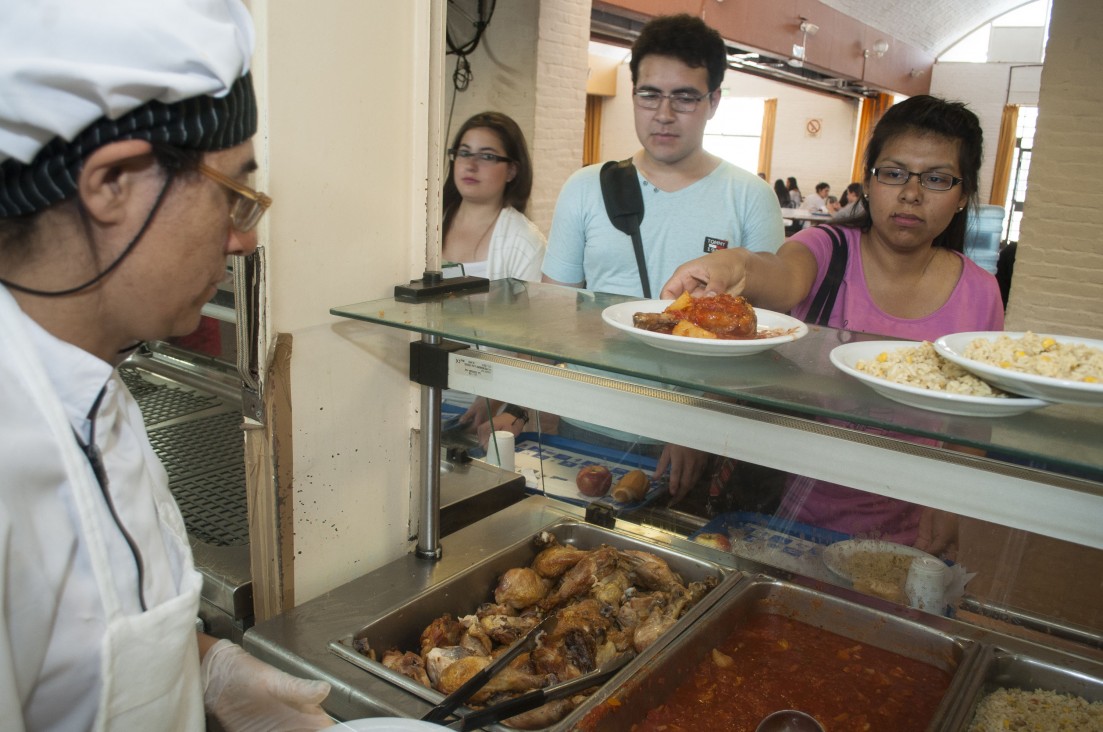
point(620, 317)
point(846, 356)
point(386, 724)
point(836, 554)
point(952, 348)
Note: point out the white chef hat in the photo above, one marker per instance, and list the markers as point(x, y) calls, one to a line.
point(75, 75)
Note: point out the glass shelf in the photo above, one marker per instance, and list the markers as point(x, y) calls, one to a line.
point(564, 324)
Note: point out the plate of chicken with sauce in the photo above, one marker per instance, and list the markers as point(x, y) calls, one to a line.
point(714, 325)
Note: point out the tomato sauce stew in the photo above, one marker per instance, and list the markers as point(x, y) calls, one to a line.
point(772, 662)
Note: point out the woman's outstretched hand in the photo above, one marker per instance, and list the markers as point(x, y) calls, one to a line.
point(712, 274)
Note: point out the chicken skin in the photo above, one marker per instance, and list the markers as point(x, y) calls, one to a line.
point(606, 601)
point(728, 316)
point(520, 587)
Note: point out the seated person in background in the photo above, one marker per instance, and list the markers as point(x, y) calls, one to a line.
point(782, 193)
point(831, 206)
point(817, 200)
point(850, 205)
point(485, 229)
point(694, 202)
point(795, 197)
point(905, 276)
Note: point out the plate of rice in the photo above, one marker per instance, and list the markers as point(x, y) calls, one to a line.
point(874, 567)
point(1050, 367)
point(912, 373)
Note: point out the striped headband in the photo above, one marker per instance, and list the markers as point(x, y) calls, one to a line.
point(201, 123)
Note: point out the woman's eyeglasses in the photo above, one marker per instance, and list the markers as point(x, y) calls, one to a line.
point(248, 205)
point(930, 181)
point(481, 157)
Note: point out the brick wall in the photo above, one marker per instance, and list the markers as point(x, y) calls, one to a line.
point(561, 68)
point(503, 67)
point(1058, 283)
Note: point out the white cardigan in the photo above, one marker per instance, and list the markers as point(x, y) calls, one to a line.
point(516, 247)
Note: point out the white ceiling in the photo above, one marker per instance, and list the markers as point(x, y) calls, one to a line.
point(931, 25)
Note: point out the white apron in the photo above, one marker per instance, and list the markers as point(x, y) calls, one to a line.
point(150, 661)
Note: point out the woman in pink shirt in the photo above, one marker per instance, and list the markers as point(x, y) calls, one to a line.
point(904, 276)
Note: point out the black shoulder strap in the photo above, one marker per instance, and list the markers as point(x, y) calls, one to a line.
point(620, 188)
point(824, 301)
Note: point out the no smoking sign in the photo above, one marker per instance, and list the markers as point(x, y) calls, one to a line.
point(812, 127)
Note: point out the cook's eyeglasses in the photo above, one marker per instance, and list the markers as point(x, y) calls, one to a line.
point(679, 101)
point(482, 157)
point(248, 205)
point(930, 181)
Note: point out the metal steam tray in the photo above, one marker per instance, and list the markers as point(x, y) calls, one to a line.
point(624, 702)
point(401, 626)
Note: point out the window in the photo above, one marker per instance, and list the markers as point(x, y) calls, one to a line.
point(735, 131)
point(1016, 189)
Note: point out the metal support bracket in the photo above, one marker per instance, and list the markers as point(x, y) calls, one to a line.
point(429, 362)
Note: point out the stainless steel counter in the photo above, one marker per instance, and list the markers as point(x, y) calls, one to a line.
point(298, 641)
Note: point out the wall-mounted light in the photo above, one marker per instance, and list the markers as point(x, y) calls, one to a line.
point(879, 49)
point(807, 29)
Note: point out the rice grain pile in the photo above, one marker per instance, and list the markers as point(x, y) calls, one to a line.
point(921, 367)
point(1036, 711)
point(1041, 356)
point(878, 573)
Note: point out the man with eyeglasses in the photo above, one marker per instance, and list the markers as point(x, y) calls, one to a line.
point(125, 159)
point(694, 202)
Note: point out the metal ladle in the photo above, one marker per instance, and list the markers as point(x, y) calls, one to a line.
point(789, 720)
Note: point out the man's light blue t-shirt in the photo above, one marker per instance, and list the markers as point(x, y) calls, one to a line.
point(727, 208)
point(730, 208)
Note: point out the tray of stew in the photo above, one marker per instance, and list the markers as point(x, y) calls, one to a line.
point(769, 645)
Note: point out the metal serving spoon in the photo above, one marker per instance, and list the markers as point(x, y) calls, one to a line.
point(789, 720)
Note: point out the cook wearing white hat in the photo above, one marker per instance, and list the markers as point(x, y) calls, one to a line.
point(125, 152)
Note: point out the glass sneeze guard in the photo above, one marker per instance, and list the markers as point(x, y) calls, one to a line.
point(564, 324)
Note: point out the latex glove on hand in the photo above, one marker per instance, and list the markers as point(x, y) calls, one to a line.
point(247, 695)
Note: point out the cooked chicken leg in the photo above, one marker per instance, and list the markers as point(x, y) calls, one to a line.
point(520, 587)
point(509, 679)
point(557, 559)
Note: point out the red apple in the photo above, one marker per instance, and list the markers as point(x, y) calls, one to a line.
point(716, 541)
point(594, 480)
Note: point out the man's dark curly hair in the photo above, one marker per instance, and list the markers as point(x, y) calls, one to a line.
point(685, 38)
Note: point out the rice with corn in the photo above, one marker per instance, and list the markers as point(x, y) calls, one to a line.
point(1036, 711)
point(921, 366)
point(1041, 356)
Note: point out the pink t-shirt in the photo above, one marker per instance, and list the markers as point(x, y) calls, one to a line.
point(975, 304)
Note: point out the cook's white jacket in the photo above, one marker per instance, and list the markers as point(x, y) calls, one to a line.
point(54, 622)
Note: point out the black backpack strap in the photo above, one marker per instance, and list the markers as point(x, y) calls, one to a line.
point(620, 188)
point(824, 301)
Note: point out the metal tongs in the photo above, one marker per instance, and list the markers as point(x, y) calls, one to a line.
point(524, 702)
point(538, 697)
point(447, 705)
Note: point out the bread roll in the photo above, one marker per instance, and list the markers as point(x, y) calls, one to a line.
point(632, 487)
